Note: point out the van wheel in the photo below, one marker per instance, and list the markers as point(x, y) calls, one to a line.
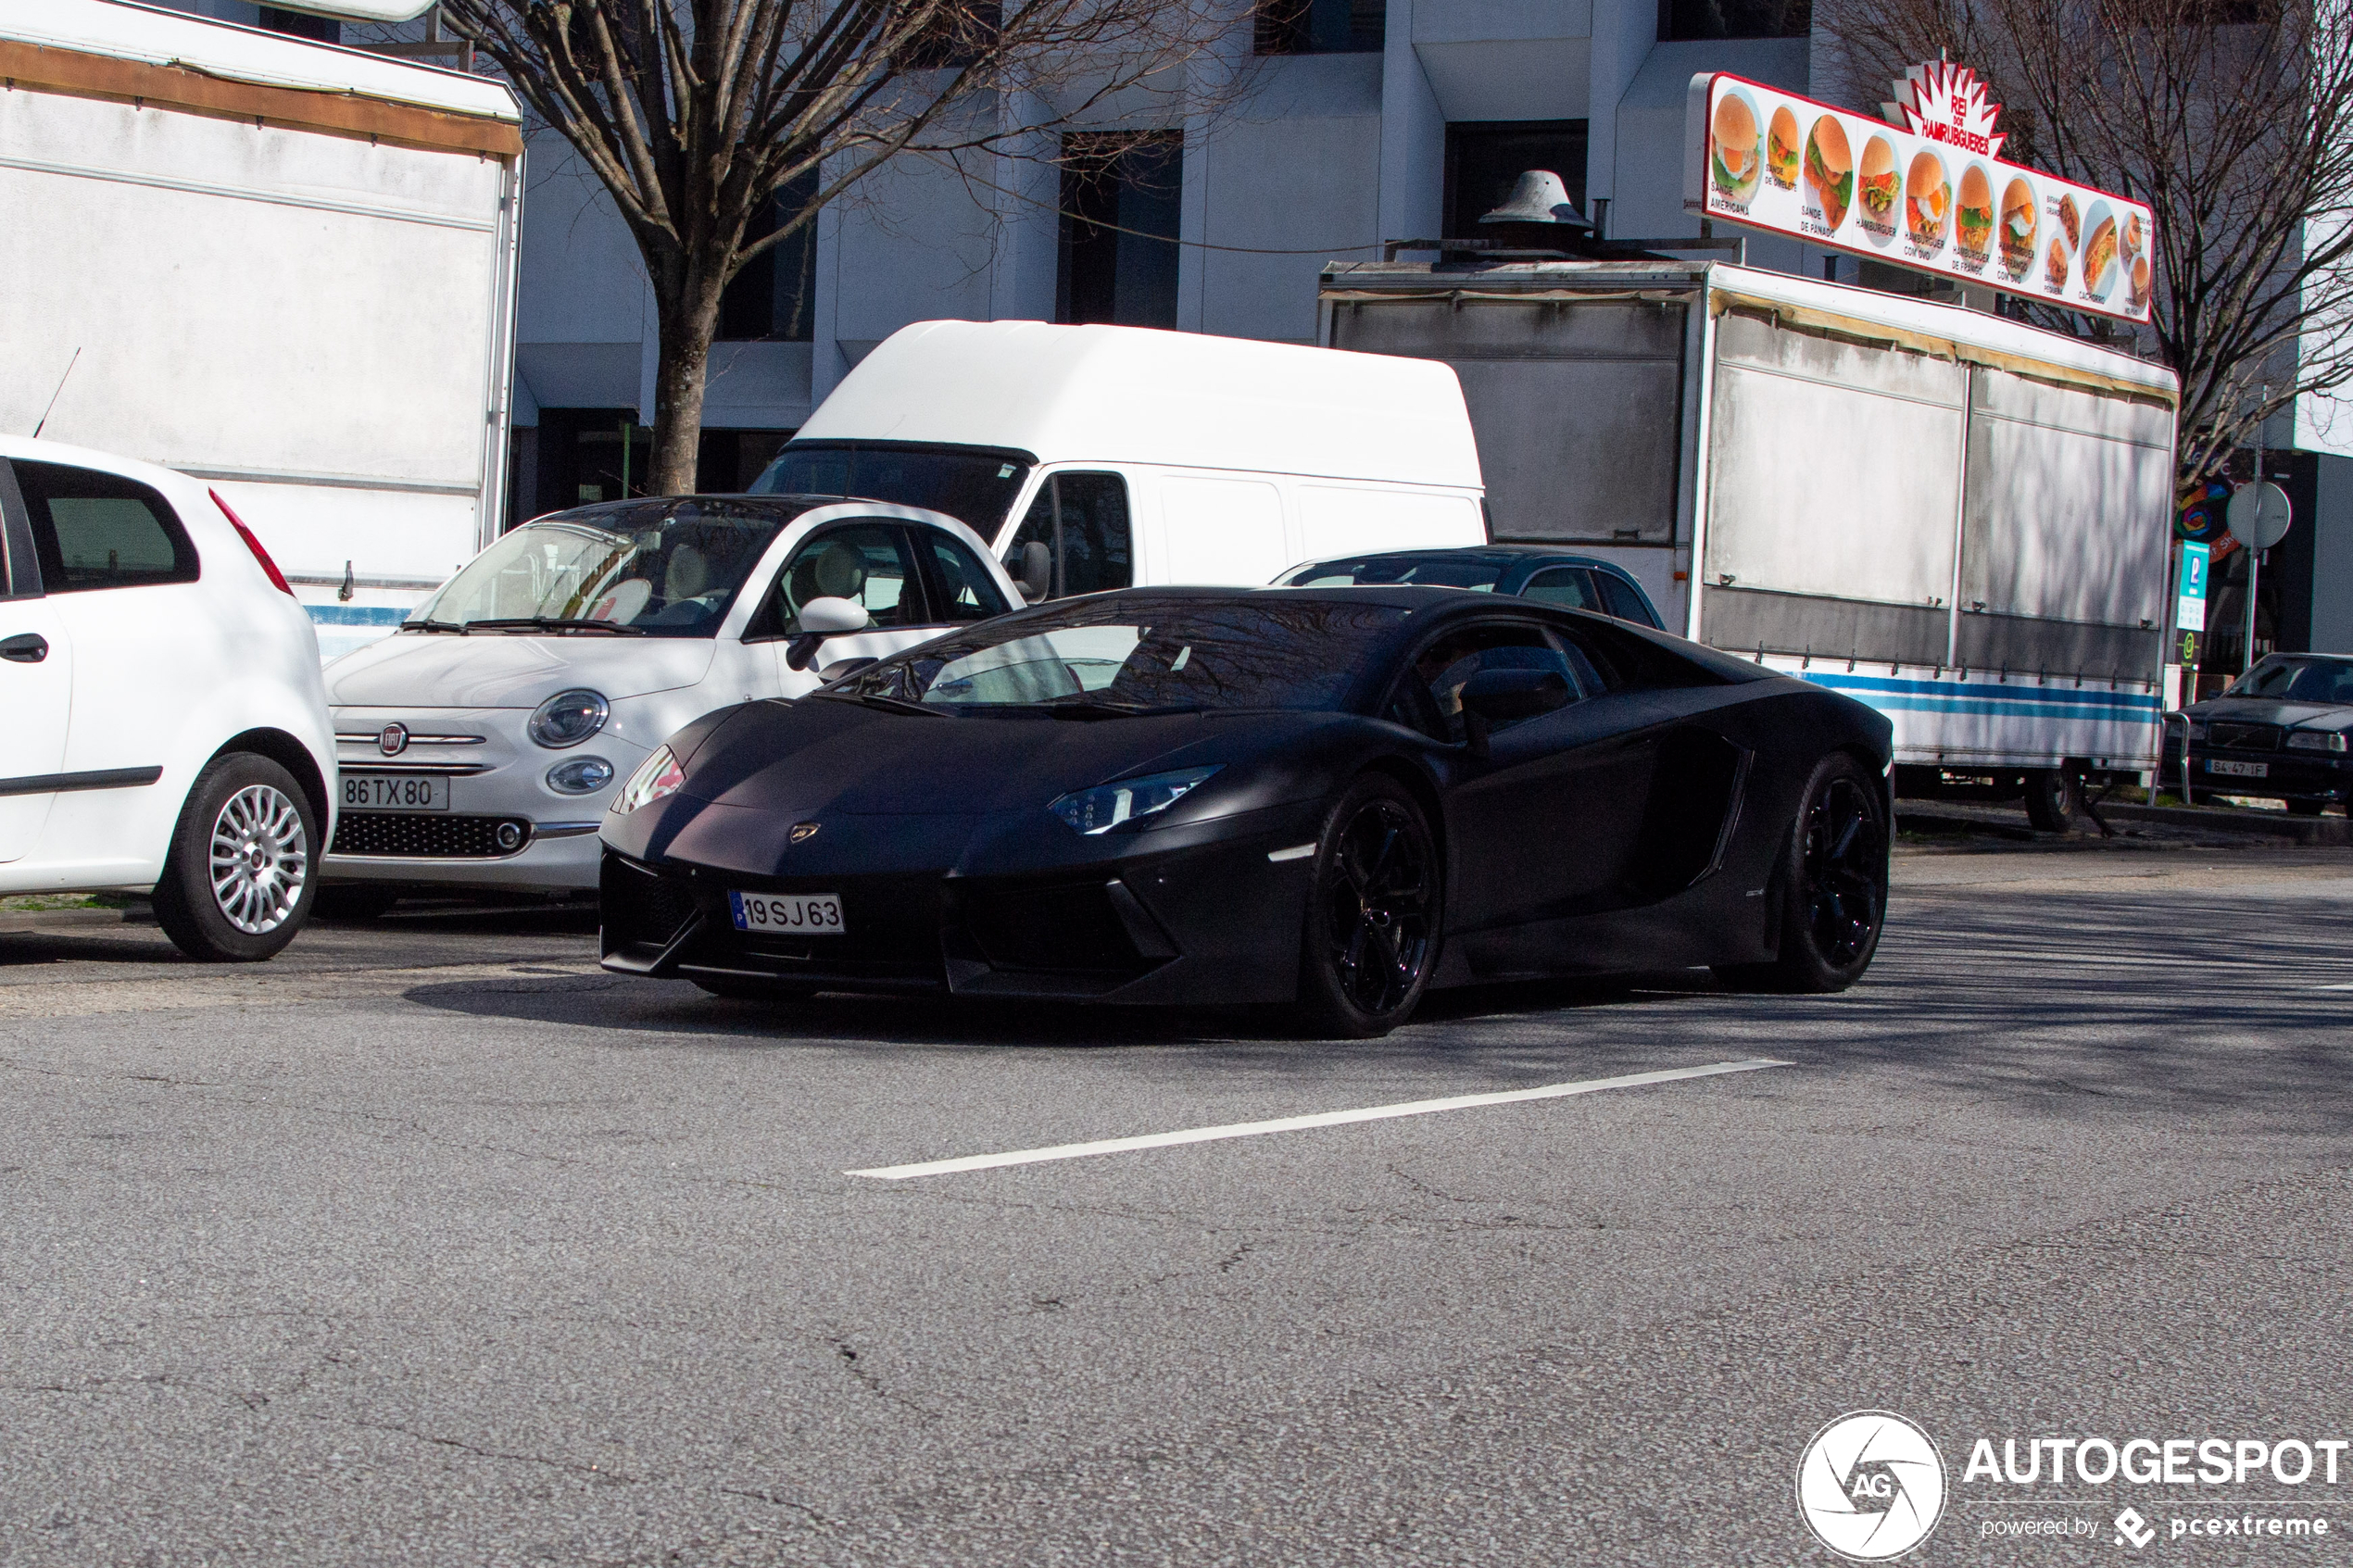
point(236, 883)
point(2054, 798)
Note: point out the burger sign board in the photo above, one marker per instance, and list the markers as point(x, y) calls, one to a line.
point(1924, 188)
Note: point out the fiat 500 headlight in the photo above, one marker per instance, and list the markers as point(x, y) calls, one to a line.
point(580, 776)
point(658, 776)
point(568, 718)
point(1103, 808)
point(2315, 740)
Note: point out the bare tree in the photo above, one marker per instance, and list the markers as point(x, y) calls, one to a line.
point(2232, 119)
point(695, 114)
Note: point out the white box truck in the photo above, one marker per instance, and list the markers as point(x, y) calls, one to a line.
point(284, 267)
point(1955, 517)
point(1099, 457)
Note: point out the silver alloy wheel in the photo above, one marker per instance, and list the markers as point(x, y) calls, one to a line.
point(260, 859)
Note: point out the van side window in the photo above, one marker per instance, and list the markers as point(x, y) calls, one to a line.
point(1622, 601)
point(97, 531)
point(1082, 518)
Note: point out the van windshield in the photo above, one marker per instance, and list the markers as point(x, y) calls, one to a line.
point(973, 484)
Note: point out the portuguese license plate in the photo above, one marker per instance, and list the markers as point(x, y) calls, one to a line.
point(787, 914)
point(395, 792)
point(2238, 770)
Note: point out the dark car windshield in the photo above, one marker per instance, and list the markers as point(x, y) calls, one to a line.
point(1437, 572)
point(665, 568)
point(2298, 680)
point(974, 486)
point(1141, 654)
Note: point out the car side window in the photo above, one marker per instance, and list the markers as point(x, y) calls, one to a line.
point(1430, 695)
point(1569, 586)
point(1623, 600)
point(867, 563)
point(92, 531)
point(1082, 518)
point(961, 587)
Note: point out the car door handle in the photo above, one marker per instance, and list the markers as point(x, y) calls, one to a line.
point(29, 647)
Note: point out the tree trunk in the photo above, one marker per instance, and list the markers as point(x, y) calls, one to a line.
point(681, 370)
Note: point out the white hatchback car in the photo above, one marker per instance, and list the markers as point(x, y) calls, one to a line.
point(480, 742)
point(166, 727)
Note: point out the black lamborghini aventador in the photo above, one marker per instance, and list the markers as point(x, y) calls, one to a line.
point(1333, 798)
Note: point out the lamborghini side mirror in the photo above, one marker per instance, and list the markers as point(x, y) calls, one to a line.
point(1506, 697)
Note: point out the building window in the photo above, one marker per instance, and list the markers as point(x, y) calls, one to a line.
point(1121, 209)
point(1485, 159)
point(1684, 20)
point(726, 461)
point(1321, 27)
point(295, 24)
point(954, 37)
point(771, 297)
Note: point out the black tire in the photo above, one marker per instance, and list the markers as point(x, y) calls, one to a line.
point(2302, 807)
point(2054, 798)
point(748, 990)
point(354, 903)
point(1833, 880)
point(1374, 915)
point(237, 883)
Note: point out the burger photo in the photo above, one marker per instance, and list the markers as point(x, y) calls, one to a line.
point(2100, 255)
point(1926, 200)
point(1780, 148)
point(2055, 265)
point(1973, 215)
point(2018, 227)
point(1830, 170)
point(2137, 283)
point(2070, 221)
point(1734, 140)
point(1879, 183)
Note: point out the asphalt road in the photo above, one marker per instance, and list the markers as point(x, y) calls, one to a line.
point(431, 1244)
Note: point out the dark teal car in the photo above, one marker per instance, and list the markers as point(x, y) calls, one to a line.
point(1531, 572)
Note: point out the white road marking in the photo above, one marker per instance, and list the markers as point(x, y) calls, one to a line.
point(1298, 1124)
point(1296, 852)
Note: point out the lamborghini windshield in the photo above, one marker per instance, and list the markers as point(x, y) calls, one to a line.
point(662, 569)
point(1140, 654)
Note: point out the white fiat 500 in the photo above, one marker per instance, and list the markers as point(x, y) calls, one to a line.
point(478, 744)
point(165, 728)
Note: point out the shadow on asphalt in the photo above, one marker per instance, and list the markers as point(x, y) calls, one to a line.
point(2077, 1005)
point(934, 1022)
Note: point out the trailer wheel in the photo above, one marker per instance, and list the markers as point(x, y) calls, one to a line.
point(2054, 798)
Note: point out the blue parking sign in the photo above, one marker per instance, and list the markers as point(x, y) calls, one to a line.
point(2189, 610)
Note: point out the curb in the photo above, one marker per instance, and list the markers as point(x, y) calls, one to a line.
point(61, 920)
point(2272, 824)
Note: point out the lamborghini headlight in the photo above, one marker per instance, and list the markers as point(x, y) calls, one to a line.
point(1103, 808)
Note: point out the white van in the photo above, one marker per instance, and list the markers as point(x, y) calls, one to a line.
point(1098, 458)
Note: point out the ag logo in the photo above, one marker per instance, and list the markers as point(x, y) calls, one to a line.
point(1871, 1485)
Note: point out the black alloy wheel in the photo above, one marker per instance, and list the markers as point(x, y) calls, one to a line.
point(1373, 915)
point(1833, 878)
